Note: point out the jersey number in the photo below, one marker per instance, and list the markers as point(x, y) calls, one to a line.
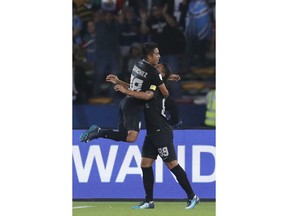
point(135, 83)
point(163, 152)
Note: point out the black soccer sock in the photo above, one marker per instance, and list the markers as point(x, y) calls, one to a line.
point(148, 182)
point(183, 180)
point(113, 134)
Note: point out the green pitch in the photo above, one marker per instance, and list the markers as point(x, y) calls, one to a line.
point(101, 208)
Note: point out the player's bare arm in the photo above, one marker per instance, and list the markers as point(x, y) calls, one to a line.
point(163, 90)
point(174, 77)
point(114, 79)
point(137, 94)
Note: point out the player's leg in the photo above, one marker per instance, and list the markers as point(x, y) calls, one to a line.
point(148, 158)
point(90, 134)
point(121, 134)
point(126, 120)
point(132, 136)
point(118, 135)
point(131, 119)
point(148, 177)
point(148, 183)
point(166, 150)
point(181, 177)
point(128, 128)
point(95, 131)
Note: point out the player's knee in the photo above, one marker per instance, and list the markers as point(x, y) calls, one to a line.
point(146, 162)
point(131, 139)
point(170, 165)
point(132, 136)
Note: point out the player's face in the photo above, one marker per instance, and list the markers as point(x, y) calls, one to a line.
point(154, 58)
point(160, 69)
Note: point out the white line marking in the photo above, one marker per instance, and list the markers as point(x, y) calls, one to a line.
point(78, 207)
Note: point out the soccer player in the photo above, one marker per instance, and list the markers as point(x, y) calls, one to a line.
point(172, 113)
point(143, 77)
point(158, 141)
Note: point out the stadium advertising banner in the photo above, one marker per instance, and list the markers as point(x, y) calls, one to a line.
point(106, 169)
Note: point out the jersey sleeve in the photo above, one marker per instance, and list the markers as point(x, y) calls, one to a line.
point(156, 78)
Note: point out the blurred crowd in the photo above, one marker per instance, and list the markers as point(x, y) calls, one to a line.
point(108, 34)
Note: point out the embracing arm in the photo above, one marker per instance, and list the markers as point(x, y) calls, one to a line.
point(163, 90)
point(114, 79)
point(137, 94)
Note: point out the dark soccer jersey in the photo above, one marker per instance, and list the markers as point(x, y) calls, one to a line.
point(143, 76)
point(154, 114)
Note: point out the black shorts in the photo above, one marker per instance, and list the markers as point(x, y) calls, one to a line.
point(130, 114)
point(159, 144)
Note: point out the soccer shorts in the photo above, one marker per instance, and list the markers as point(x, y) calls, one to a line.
point(159, 144)
point(130, 114)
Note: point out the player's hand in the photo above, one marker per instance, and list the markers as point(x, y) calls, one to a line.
point(112, 78)
point(174, 77)
point(120, 88)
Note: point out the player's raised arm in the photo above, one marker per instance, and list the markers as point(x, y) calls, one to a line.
point(114, 79)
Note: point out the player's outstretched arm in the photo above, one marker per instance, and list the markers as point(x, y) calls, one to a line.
point(164, 91)
point(174, 77)
point(137, 94)
point(114, 79)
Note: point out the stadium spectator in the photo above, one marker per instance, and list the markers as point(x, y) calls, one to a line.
point(97, 16)
point(89, 44)
point(129, 26)
point(85, 12)
point(183, 8)
point(107, 51)
point(163, 30)
point(74, 89)
point(77, 26)
point(112, 5)
point(139, 5)
point(130, 60)
point(198, 33)
point(210, 116)
point(170, 5)
point(81, 74)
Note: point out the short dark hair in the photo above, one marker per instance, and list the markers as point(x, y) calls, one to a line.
point(148, 49)
point(167, 70)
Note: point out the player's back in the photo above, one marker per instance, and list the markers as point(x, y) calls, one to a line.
point(143, 76)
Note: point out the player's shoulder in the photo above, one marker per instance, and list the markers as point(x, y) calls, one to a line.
point(145, 66)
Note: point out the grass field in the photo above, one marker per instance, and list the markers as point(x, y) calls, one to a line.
point(101, 208)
